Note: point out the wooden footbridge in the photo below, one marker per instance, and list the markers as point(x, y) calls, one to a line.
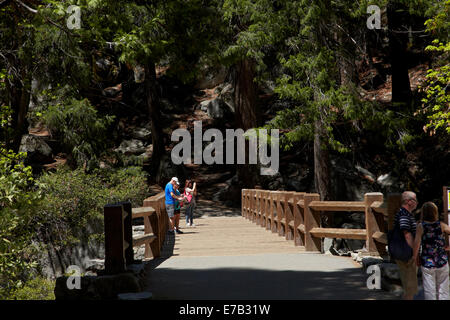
point(270, 249)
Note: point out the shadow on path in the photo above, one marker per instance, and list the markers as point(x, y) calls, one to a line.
point(256, 284)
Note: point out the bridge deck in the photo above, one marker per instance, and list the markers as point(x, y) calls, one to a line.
point(229, 257)
point(225, 236)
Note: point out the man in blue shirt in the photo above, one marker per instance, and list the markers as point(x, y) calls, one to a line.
point(170, 202)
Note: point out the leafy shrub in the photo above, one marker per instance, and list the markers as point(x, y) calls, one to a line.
point(17, 203)
point(36, 289)
point(74, 200)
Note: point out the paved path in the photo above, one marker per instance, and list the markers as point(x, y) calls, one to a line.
point(228, 257)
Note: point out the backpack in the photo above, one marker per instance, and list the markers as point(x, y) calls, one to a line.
point(397, 245)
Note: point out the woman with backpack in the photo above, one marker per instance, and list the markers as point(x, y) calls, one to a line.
point(190, 191)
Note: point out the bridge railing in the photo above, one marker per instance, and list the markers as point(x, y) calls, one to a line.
point(296, 216)
point(119, 239)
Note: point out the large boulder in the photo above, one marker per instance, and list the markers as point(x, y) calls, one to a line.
point(227, 96)
point(38, 151)
point(142, 133)
point(217, 109)
point(130, 147)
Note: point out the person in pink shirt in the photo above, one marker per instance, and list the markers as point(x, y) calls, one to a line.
point(190, 191)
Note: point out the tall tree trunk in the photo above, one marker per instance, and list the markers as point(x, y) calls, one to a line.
point(321, 162)
point(19, 100)
point(398, 40)
point(245, 98)
point(153, 105)
point(18, 90)
point(345, 56)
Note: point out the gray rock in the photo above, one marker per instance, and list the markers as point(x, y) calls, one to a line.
point(112, 91)
point(368, 261)
point(388, 183)
point(268, 86)
point(352, 244)
point(95, 264)
point(394, 288)
point(358, 218)
point(132, 146)
point(38, 151)
point(142, 134)
point(366, 174)
point(327, 244)
point(106, 69)
point(390, 271)
point(217, 109)
point(227, 96)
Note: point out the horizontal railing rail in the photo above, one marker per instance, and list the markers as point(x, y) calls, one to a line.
point(296, 216)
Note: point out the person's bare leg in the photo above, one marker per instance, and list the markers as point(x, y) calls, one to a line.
point(177, 221)
point(172, 223)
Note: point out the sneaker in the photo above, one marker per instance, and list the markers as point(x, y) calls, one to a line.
point(192, 225)
point(179, 231)
point(171, 232)
point(188, 224)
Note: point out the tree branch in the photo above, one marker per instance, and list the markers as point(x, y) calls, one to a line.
point(26, 7)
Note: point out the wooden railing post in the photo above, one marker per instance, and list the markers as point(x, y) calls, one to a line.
point(243, 202)
point(298, 219)
point(263, 208)
point(157, 202)
point(312, 220)
point(258, 207)
point(266, 209)
point(255, 206)
point(115, 247)
point(288, 215)
point(128, 232)
point(250, 205)
point(372, 225)
point(280, 213)
point(273, 211)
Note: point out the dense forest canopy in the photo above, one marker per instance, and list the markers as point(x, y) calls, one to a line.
point(80, 74)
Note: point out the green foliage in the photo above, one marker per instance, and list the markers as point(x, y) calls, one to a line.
point(17, 203)
point(436, 103)
point(36, 289)
point(81, 129)
point(75, 199)
point(309, 78)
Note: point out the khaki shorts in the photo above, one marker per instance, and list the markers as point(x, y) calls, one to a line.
point(170, 208)
point(408, 276)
